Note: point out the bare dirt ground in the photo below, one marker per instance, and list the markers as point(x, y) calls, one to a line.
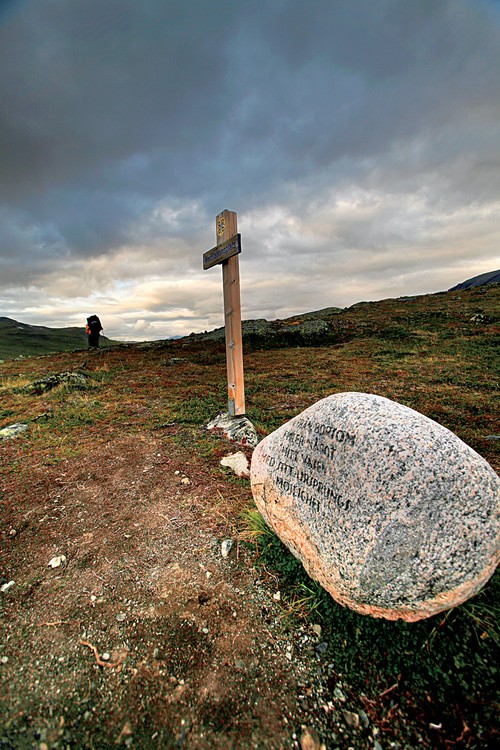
point(146, 636)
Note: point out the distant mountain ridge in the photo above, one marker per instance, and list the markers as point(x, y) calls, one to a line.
point(492, 277)
point(10, 322)
point(22, 339)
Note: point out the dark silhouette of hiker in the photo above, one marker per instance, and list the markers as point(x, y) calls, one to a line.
point(93, 329)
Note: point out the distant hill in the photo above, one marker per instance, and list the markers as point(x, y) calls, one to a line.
point(20, 339)
point(492, 277)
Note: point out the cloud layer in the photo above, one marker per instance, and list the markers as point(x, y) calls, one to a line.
point(359, 143)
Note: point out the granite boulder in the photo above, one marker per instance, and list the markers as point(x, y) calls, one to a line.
point(391, 512)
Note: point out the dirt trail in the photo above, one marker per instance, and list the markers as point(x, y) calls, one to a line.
point(197, 653)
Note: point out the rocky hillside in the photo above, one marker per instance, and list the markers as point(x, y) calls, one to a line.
point(389, 319)
point(492, 277)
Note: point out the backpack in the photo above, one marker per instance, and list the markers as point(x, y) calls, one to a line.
point(93, 325)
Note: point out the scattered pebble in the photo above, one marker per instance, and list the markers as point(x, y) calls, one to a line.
point(351, 719)
point(125, 733)
point(105, 656)
point(238, 462)
point(337, 693)
point(226, 547)
point(56, 561)
point(321, 647)
point(364, 719)
point(309, 739)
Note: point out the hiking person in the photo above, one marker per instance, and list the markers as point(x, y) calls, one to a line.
point(93, 329)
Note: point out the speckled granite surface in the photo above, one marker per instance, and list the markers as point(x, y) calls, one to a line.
point(391, 512)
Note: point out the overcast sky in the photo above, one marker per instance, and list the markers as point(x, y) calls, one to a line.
point(357, 140)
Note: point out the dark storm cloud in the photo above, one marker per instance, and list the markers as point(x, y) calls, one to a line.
point(90, 83)
point(125, 126)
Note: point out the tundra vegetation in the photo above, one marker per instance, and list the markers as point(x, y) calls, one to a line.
point(121, 478)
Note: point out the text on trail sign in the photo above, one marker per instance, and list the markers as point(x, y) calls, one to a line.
point(222, 252)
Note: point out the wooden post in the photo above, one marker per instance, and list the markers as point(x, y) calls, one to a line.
point(226, 226)
point(226, 252)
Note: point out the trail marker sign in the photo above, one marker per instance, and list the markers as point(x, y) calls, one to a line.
point(222, 252)
point(226, 253)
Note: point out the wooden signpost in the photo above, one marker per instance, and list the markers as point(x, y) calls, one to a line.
point(226, 252)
